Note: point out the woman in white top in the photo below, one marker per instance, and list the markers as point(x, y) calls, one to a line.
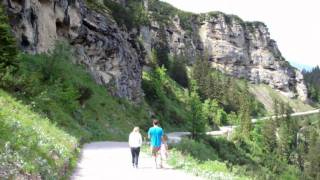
point(135, 141)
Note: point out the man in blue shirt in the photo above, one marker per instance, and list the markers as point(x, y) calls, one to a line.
point(155, 134)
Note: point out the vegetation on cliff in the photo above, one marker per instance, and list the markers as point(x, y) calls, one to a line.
point(60, 106)
point(312, 80)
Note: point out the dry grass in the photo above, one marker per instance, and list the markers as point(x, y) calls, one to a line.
point(265, 94)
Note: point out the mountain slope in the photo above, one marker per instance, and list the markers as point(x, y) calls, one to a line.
point(30, 145)
point(113, 45)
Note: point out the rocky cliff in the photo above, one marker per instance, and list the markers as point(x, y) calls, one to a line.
point(115, 56)
point(112, 56)
point(241, 49)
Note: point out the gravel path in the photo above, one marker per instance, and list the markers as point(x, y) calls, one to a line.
point(112, 160)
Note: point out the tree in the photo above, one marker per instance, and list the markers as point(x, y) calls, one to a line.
point(197, 119)
point(244, 114)
point(312, 80)
point(178, 71)
point(210, 108)
point(269, 135)
point(8, 49)
point(160, 50)
point(312, 168)
point(200, 73)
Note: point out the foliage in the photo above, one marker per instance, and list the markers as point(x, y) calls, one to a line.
point(245, 119)
point(178, 71)
point(163, 13)
point(197, 118)
point(229, 92)
point(283, 145)
point(200, 159)
point(8, 50)
point(166, 98)
point(312, 80)
point(197, 150)
point(68, 96)
point(160, 51)
point(30, 144)
point(132, 15)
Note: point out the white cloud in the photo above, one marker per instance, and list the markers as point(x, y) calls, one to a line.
point(294, 24)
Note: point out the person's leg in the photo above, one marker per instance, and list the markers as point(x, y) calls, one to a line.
point(137, 156)
point(154, 156)
point(133, 155)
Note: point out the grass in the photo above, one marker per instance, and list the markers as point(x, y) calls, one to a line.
point(188, 160)
point(167, 98)
point(53, 96)
point(265, 94)
point(69, 97)
point(30, 144)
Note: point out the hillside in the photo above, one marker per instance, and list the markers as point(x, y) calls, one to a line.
point(312, 80)
point(115, 40)
point(30, 145)
point(266, 96)
point(84, 71)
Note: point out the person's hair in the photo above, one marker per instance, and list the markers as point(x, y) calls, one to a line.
point(135, 129)
point(164, 138)
point(155, 121)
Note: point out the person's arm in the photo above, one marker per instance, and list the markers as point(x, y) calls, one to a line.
point(130, 140)
point(149, 136)
point(140, 140)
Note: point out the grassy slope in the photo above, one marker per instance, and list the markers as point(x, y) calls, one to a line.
point(265, 94)
point(101, 117)
point(169, 101)
point(33, 130)
point(30, 143)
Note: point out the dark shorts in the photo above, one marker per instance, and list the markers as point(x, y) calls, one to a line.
point(155, 150)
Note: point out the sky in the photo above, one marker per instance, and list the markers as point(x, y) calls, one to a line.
point(293, 24)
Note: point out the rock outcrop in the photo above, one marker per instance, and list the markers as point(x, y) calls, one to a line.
point(241, 49)
point(115, 57)
point(112, 56)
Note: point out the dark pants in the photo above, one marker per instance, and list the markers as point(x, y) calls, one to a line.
point(135, 155)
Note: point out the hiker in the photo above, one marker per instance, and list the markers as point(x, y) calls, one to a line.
point(164, 149)
point(135, 142)
point(155, 134)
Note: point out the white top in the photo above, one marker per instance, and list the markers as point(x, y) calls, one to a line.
point(164, 151)
point(135, 139)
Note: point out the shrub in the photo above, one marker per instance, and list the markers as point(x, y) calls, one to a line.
point(178, 72)
point(30, 144)
point(8, 50)
point(132, 15)
point(197, 150)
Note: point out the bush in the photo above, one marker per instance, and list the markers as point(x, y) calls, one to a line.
point(30, 144)
point(197, 150)
point(178, 72)
point(133, 15)
point(8, 50)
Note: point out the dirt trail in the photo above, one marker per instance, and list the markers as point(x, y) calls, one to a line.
point(112, 160)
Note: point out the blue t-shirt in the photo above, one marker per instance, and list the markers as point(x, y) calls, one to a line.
point(155, 134)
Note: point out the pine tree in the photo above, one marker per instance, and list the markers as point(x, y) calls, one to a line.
point(8, 49)
point(178, 71)
point(269, 135)
point(312, 167)
point(244, 114)
point(197, 119)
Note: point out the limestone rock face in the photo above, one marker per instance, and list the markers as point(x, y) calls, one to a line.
point(115, 57)
point(112, 56)
point(241, 49)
